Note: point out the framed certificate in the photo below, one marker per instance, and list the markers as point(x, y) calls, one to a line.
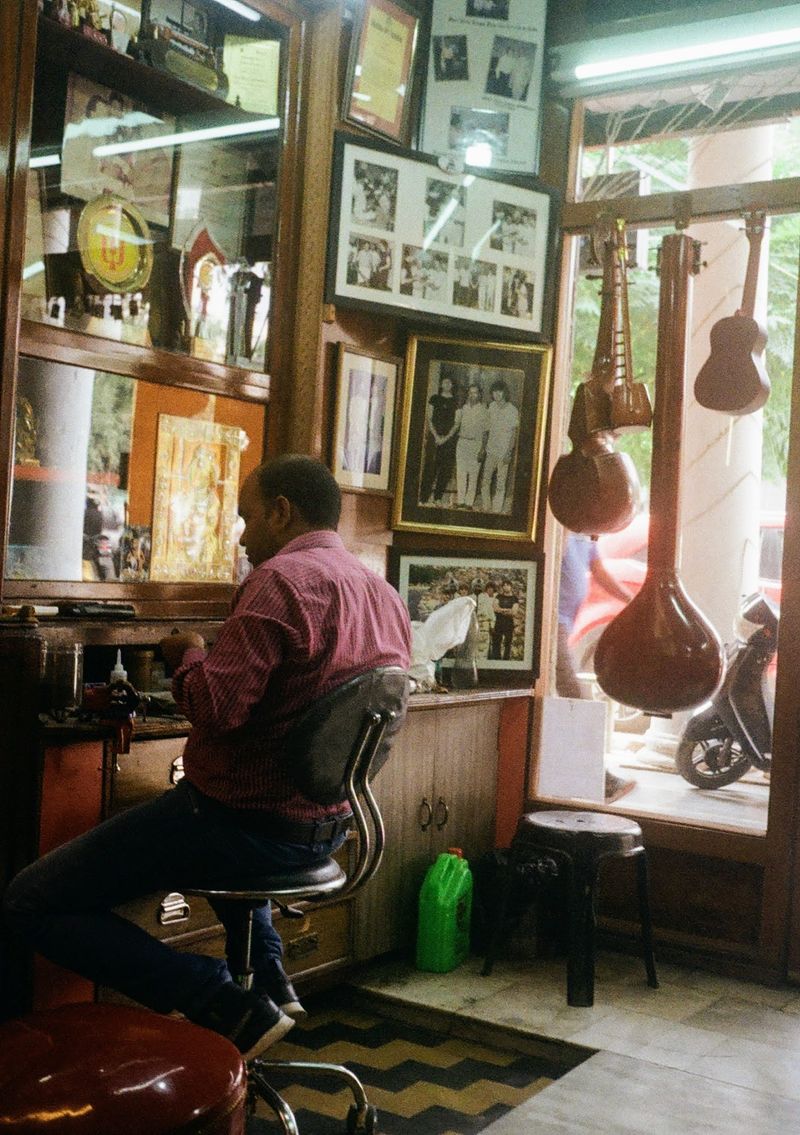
point(381, 68)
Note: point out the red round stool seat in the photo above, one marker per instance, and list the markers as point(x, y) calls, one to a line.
point(112, 1070)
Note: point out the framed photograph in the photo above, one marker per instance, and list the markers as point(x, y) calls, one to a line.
point(484, 78)
point(195, 500)
point(366, 394)
point(96, 115)
point(471, 446)
point(458, 249)
point(381, 68)
point(506, 593)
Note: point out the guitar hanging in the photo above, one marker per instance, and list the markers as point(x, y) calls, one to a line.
point(593, 488)
point(733, 379)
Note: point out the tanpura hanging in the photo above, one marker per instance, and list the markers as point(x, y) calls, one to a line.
point(660, 653)
point(593, 488)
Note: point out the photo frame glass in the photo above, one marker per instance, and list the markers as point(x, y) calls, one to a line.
point(471, 449)
point(505, 592)
point(451, 247)
point(381, 69)
point(366, 394)
point(484, 79)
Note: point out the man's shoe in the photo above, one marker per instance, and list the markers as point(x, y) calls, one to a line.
point(251, 1022)
point(273, 984)
point(616, 788)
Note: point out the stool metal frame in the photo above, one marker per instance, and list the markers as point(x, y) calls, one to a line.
point(578, 842)
point(339, 743)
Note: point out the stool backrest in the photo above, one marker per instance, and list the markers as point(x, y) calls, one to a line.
point(340, 742)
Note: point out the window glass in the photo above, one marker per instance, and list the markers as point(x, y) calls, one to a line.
point(121, 480)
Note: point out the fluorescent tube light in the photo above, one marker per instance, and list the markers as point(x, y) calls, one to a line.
point(206, 134)
point(42, 160)
point(240, 9)
point(691, 53)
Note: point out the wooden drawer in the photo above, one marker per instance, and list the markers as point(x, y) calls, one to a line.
point(320, 938)
point(150, 768)
point(169, 916)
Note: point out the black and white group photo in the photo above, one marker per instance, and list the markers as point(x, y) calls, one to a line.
point(475, 127)
point(513, 229)
point(423, 273)
point(471, 435)
point(475, 283)
point(445, 212)
point(517, 295)
point(374, 196)
point(369, 263)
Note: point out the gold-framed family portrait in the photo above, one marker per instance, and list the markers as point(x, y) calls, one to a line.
point(472, 436)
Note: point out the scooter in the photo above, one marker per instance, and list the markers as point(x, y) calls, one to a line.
point(733, 732)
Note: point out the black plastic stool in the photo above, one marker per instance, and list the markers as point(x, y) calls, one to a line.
point(578, 842)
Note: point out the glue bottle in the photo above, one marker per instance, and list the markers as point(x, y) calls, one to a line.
point(118, 673)
point(445, 909)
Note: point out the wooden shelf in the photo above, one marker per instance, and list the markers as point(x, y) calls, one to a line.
point(152, 364)
point(127, 75)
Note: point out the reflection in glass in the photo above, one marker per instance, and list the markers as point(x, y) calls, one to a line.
point(107, 468)
point(130, 188)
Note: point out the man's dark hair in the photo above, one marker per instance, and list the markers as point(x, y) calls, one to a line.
point(307, 483)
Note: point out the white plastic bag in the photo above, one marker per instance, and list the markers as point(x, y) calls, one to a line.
point(443, 629)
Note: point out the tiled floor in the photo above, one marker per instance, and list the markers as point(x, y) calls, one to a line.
point(702, 1053)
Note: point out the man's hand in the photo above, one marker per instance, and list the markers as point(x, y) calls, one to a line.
point(174, 646)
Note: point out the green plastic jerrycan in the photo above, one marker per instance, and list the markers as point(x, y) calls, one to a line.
point(445, 909)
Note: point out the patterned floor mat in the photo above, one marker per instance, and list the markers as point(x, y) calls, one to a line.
point(420, 1081)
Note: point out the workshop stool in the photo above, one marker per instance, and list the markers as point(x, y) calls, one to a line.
point(100, 1069)
point(578, 842)
point(332, 751)
point(310, 884)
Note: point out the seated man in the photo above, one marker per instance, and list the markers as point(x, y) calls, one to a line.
point(309, 617)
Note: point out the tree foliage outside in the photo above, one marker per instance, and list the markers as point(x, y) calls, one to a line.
point(112, 422)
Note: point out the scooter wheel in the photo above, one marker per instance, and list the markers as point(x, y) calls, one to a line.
point(711, 763)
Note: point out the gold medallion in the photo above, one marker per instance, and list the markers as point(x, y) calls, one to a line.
point(115, 244)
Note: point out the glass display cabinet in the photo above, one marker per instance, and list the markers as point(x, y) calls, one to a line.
point(160, 162)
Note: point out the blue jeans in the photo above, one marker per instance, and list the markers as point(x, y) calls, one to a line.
point(62, 904)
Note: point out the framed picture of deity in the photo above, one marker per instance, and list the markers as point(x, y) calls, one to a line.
point(506, 594)
point(441, 242)
point(472, 437)
point(366, 395)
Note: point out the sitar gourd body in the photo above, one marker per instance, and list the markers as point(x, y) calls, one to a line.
point(593, 488)
point(660, 654)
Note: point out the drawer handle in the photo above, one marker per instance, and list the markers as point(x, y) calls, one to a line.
point(425, 814)
point(176, 772)
point(173, 908)
point(442, 813)
point(302, 947)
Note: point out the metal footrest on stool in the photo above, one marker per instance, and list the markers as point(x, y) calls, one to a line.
point(579, 842)
point(362, 1118)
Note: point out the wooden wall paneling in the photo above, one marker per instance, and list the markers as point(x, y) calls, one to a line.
point(17, 52)
point(296, 413)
